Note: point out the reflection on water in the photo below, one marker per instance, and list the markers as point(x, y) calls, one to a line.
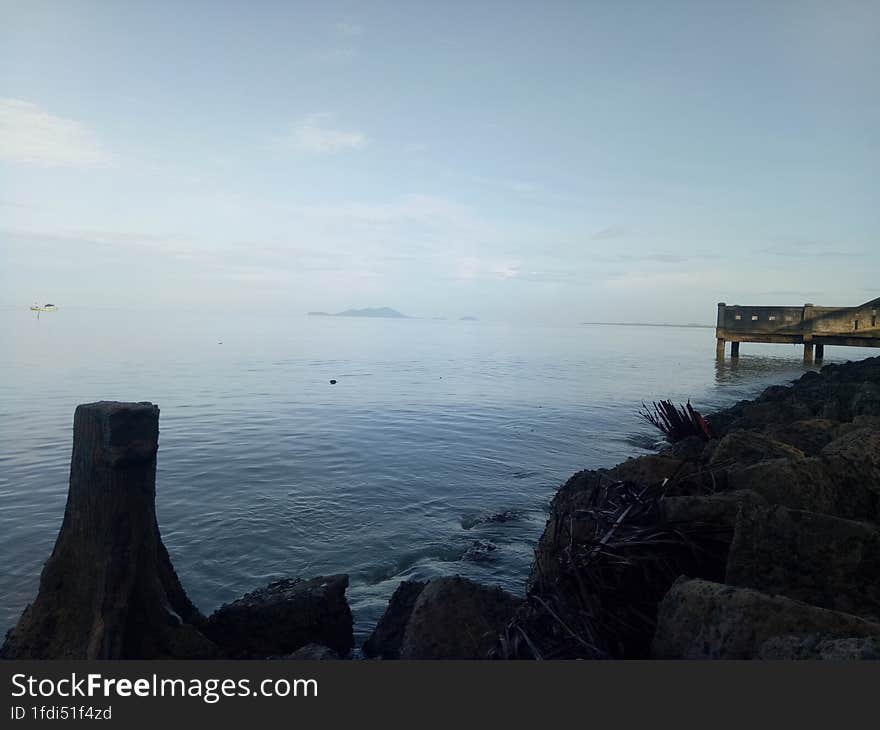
point(266, 470)
point(749, 368)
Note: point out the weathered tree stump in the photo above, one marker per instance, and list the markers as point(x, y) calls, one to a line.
point(109, 591)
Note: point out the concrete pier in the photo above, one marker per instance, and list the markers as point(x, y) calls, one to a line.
point(811, 325)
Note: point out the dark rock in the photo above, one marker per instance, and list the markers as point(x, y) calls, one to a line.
point(385, 641)
point(480, 551)
point(313, 652)
point(455, 618)
point(809, 436)
point(332, 382)
point(698, 619)
point(564, 525)
point(721, 510)
point(284, 616)
point(688, 449)
point(818, 646)
point(814, 558)
point(650, 469)
point(743, 448)
point(811, 484)
point(511, 515)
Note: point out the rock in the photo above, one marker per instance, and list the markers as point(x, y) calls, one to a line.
point(742, 448)
point(698, 619)
point(838, 393)
point(859, 448)
point(313, 652)
point(809, 436)
point(511, 515)
point(284, 616)
point(385, 641)
point(562, 526)
point(480, 551)
point(649, 469)
point(817, 646)
point(872, 422)
point(721, 510)
point(809, 484)
point(688, 449)
point(818, 559)
point(866, 400)
point(455, 618)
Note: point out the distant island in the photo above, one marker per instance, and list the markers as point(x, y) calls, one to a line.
point(386, 312)
point(468, 318)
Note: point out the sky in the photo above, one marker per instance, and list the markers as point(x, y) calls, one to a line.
point(545, 161)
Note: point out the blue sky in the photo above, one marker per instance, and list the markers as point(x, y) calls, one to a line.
point(540, 161)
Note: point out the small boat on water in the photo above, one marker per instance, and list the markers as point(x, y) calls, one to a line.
point(44, 308)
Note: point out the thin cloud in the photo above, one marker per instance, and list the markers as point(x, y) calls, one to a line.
point(313, 136)
point(609, 233)
point(32, 137)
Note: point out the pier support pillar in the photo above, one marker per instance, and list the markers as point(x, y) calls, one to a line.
point(820, 352)
point(734, 349)
point(808, 352)
point(719, 349)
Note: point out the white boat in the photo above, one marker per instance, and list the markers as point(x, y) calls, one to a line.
point(44, 308)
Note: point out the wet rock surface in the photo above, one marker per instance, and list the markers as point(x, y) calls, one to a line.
point(385, 641)
point(283, 617)
point(455, 618)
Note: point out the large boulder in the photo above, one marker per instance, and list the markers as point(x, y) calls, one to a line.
point(809, 436)
point(284, 616)
point(385, 641)
point(455, 618)
point(814, 558)
point(650, 469)
point(566, 523)
point(814, 484)
point(720, 510)
point(742, 448)
point(698, 619)
point(569, 521)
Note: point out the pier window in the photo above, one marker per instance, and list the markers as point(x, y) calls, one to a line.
point(738, 317)
point(754, 318)
point(772, 317)
point(855, 324)
point(873, 320)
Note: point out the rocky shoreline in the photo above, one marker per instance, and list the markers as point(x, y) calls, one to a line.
point(762, 542)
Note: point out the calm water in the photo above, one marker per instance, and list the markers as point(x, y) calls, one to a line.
point(266, 470)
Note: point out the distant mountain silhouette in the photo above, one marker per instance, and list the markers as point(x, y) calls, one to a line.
point(468, 318)
point(386, 312)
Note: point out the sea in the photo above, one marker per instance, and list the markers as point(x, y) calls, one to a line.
point(436, 452)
